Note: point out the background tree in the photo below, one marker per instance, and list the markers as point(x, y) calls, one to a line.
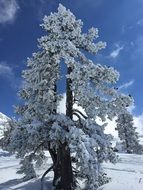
point(127, 134)
point(77, 146)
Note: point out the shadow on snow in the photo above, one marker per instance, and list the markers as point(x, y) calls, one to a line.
point(18, 184)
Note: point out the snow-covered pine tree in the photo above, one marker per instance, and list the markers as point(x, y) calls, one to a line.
point(77, 146)
point(127, 134)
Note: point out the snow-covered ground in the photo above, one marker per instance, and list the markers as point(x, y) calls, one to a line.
point(10, 180)
point(126, 174)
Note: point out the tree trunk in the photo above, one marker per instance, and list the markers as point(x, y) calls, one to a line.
point(56, 168)
point(69, 96)
point(66, 168)
point(57, 172)
point(65, 157)
point(63, 174)
point(55, 157)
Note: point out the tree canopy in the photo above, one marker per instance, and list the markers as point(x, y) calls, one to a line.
point(77, 144)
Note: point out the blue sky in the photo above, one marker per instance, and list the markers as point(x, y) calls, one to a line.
point(120, 24)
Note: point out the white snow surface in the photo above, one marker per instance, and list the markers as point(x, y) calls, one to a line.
point(126, 174)
point(10, 180)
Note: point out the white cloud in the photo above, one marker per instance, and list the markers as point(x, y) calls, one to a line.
point(126, 85)
point(91, 3)
point(138, 123)
point(5, 70)
point(40, 6)
point(140, 22)
point(62, 105)
point(138, 49)
point(111, 125)
point(110, 128)
point(8, 10)
point(115, 53)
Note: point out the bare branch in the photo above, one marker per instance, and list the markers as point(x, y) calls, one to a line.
point(45, 173)
point(84, 116)
point(78, 116)
point(38, 147)
point(75, 100)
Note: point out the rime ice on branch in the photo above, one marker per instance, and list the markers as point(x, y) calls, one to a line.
point(77, 147)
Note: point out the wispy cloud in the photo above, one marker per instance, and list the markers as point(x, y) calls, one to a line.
point(93, 4)
point(140, 22)
point(6, 72)
point(115, 53)
point(8, 10)
point(110, 127)
point(138, 123)
point(41, 6)
point(126, 85)
point(62, 105)
point(138, 49)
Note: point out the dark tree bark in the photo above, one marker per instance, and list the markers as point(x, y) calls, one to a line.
point(57, 171)
point(66, 169)
point(55, 156)
point(63, 174)
point(65, 157)
point(69, 96)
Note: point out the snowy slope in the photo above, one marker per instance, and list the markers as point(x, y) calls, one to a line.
point(3, 122)
point(10, 180)
point(126, 174)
